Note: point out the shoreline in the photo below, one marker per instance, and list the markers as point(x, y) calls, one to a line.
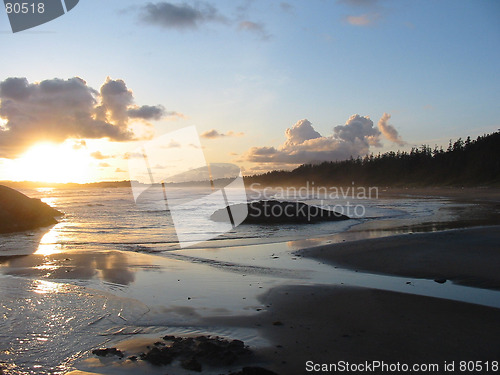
point(328, 324)
point(467, 256)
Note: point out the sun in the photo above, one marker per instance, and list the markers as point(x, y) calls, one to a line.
point(49, 162)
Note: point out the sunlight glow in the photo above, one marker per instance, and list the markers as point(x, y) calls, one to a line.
point(46, 287)
point(47, 162)
point(48, 244)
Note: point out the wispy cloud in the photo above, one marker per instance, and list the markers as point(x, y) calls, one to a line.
point(372, 12)
point(99, 156)
point(213, 134)
point(363, 20)
point(359, 3)
point(185, 16)
point(179, 16)
point(286, 7)
point(255, 27)
point(389, 131)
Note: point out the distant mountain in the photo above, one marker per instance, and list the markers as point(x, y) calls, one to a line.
point(19, 212)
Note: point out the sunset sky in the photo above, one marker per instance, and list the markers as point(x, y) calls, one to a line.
point(268, 84)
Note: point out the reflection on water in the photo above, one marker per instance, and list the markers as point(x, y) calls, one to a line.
point(49, 243)
point(112, 266)
point(44, 287)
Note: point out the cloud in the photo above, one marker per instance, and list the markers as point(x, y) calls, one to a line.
point(173, 144)
point(286, 7)
point(255, 27)
point(300, 132)
point(363, 20)
point(104, 165)
point(389, 131)
point(54, 110)
point(185, 16)
point(79, 144)
point(179, 16)
point(147, 112)
point(372, 8)
point(132, 155)
point(304, 144)
point(213, 134)
point(99, 156)
point(119, 170)
point(359, 3)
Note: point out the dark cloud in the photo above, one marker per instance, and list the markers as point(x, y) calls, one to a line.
point(389, 131)
point(55, 110)
point(304, 144)
point(179, 16)
point(147, 112)
point(184, 16)
point(213, 134)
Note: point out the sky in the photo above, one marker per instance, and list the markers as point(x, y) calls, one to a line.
point(267, 84)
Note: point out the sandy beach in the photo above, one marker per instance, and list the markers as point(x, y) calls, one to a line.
point(331, 324)
point(464, 256)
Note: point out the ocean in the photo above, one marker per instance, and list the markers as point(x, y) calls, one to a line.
point(110, 219)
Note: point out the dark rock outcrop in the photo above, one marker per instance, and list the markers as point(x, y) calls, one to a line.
point(19, 212)
point(272, 211)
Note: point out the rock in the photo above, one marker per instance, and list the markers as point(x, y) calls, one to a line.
point(272, 211)
point(440, 281)
point(19, 212)
point(191, 364)
point(107, 352)
point(193, 352)
point(277, 323)
point(158, 356)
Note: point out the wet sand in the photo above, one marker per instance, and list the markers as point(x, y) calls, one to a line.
point(331, 324)
point(465, 256)
point(327, 324)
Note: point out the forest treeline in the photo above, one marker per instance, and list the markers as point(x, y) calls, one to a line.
point(464, 163)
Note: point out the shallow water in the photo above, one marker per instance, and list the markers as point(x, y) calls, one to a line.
point(111, 270)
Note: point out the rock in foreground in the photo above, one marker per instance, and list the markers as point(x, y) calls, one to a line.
point(194, 354)
point(272, 211)
point(19, 212)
